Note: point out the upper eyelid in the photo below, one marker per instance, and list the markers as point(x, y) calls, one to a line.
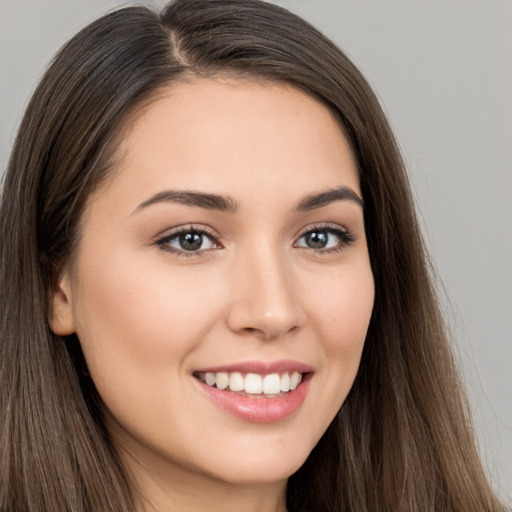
point(163, 241)
point(347, 236)
point(326, 226)
point(212, 232)
point(171, 233)
point(185, 228)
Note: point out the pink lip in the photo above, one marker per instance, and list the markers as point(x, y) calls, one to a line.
point(261, 367)
point(259, 409)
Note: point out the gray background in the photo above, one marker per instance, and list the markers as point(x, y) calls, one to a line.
point(443, 71)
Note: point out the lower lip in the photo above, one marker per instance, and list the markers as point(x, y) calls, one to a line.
point(259, 410)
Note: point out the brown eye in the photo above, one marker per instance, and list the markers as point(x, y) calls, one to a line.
point(190, 241)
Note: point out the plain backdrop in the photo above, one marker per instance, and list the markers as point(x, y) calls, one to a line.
point(443, 71)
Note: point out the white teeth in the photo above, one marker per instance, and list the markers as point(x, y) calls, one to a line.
point(222, 380)
point(253, 384)
point(285, 382)
point(210, 378)
point(236, 382)
point(295, 380)
point(271, 384)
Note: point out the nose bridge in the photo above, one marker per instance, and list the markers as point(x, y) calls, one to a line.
point(264, 298)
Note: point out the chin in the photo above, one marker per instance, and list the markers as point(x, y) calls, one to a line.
point(265, 467)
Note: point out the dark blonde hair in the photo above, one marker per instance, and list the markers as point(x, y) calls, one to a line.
point(402, 440)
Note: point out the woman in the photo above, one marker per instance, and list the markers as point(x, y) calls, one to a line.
point(214, 288)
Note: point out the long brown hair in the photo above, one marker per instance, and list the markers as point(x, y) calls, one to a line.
point(402, 440)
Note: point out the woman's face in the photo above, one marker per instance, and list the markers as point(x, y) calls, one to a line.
point(224, 261)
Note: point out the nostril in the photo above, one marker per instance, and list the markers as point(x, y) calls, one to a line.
point(255, 319)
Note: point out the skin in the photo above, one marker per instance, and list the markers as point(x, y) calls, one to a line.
point(147, 317)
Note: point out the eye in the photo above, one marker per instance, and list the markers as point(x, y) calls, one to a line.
point(188, 241)
point(325, 239)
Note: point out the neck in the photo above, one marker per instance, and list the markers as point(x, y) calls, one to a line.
point(196, 493)
point(198, 499)
point(161, 486)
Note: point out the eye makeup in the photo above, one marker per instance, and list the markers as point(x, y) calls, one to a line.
point(193, 240)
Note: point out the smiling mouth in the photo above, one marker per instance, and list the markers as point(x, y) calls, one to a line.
point(254, 385)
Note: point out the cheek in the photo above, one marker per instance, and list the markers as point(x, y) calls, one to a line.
point(340, 314)
point(138, 326)
point(342, 308)
point(132, 317)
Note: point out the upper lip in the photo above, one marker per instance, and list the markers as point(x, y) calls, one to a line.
point(260, 367)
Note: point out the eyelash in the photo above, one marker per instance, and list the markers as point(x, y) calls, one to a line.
point(163, 243)
point(345, 237)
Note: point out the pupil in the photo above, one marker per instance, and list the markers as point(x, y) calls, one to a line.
point(317, 239)
point(191, 241)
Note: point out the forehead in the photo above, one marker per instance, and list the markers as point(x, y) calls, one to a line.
point(227, 133)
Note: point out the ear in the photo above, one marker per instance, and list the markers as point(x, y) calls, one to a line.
point(62, 321)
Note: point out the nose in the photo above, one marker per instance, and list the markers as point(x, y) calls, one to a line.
point(265, 302)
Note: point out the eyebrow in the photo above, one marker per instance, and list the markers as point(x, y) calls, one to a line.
point(199, 199)
point(229, 205)
point(325, 198)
